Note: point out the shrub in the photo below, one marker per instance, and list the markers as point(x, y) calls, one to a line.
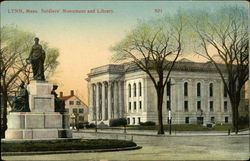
point(244, 120)
point(118, 122)
point(147, 123)
point(90, 125)
point(66, 145)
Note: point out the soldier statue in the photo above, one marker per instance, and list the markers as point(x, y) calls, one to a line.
point(36, 59)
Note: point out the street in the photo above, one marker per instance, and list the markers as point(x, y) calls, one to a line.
point(190, 147)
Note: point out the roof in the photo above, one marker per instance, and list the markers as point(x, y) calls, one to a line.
point(65, 98)
point(181, 65)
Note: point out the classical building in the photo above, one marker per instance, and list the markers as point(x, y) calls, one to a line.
point(77, 109)
point(195, 95)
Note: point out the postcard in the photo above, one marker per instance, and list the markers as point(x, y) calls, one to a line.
point(125, 80)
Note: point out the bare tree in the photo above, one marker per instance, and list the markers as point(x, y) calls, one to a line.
point(226, 31)
point(154, 47)
point(15, 47)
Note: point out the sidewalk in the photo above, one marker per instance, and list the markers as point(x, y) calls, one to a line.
point(154, 133)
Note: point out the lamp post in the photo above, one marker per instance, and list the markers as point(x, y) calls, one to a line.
point(73, 120)
point(76, 121)
point(170, 112)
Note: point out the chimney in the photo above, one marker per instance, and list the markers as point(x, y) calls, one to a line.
point(61, 94)
point(71, 92)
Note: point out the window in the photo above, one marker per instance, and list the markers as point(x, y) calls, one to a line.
point(211, 89)
point(133, 120)
point(139, 120)
point(74, 110)
point(225, 91)
point(81, 118)
point(67, 110)
point(128, 119)
point(168, 88)
point(134, 105)
point(78, 102)
point(226, 119)
point(168, 105)
point(140, 88)
point(71, 102)
point(186, 106)
point(134, 90)
point(81, 110)
point(185, 89)
point(198, 89)
point(198, 105)
point(225, 106)
point(186, 120)
point(140, 104)
point(129, 105)
point(199, 120)
point(212, 119)
point(129, 90)
point(211, 105)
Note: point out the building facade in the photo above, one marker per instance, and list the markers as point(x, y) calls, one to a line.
point(76, 108)
point(195, 95)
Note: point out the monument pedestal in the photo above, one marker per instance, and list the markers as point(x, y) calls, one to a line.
point(42, 122)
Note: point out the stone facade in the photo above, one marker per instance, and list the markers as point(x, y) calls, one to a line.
point(196, 95)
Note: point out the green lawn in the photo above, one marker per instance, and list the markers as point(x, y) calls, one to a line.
point(84, 144)
point(182, 127)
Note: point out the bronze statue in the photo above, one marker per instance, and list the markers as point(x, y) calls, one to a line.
point(37, 58)
point(21, 101)
point(59, 103)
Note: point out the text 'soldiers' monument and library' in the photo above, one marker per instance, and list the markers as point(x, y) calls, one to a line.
point(37, 112)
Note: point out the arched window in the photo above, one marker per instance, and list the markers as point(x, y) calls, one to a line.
point(134, 90)
point(198, 89)
point(140, 89)
point(168, 88)
point(185, 89)
point(211, 89)
point(129, 90)
point(225, 91)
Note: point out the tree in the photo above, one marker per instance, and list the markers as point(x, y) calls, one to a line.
point(226, 31)
point(15, 47)
point(154, 47)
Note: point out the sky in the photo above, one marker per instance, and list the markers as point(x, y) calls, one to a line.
point(84, 39)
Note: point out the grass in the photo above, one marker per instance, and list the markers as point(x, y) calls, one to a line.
point(87, 144)
point(182, 127)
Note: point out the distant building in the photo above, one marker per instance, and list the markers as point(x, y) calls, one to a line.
point(75, 107)
point(196, 95)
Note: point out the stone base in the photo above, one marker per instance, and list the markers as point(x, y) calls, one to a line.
point(40, 97)
point(30, 125)
point(38, 133)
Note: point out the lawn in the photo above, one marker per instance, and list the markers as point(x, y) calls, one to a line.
point(84, 144)
point(182, 127)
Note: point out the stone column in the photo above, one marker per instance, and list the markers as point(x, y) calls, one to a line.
point(97, 101)
point(109, 100)
point(94, 101)
point(91, 111)
point(120, 104)
point(103, 101)
point(116, 100)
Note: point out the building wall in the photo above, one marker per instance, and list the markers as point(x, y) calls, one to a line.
point(76, 108)
point(148, 98)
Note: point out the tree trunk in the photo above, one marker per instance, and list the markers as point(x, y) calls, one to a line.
point(4, 113)
point(235, 114)
point(160, 91)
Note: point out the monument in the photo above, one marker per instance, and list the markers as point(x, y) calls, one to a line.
point(37, 112)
